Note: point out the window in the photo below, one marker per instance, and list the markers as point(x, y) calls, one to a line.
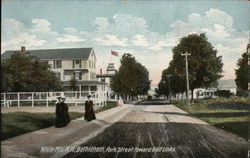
point(77, 64)
point(78, 75)
point(93, 88)
point(92, 76)
point(103, 80)
point(45, 61)
point(57, 64)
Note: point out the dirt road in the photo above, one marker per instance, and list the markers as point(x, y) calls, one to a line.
point(163, 131)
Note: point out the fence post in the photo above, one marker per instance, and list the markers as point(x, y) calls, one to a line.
point(47, 99)
point(4, 100)
point(32, 98)
point(18, 99)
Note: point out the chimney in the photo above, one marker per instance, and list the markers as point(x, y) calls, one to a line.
point(101, 71)
point(23, 49)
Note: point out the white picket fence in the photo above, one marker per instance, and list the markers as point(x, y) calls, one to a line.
point(18, 99)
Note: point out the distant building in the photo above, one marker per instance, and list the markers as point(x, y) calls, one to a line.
point(78, 63)
point(204, 93)
point(151, 92)
point(227, 85)
point(106, 78)
point(209, 92)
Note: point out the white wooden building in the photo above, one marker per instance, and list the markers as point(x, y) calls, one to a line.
point(78, 63)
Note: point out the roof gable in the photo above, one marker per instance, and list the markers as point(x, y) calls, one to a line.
point(68, 53)
point(226, 84)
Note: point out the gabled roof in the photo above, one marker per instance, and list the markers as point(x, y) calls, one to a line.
point(68, 53)
point(226, 84)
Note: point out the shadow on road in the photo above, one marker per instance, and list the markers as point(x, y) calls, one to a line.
point(152, 102)
point(189, 140)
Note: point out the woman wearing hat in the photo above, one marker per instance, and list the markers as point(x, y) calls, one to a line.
point(89, 110)
point(62, 115)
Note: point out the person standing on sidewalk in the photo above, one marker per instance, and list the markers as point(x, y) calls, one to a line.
point(62, 115)
point(66, 111)
point(89, 110)
point(120, 102)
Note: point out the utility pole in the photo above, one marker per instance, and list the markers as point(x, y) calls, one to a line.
point(187, 79)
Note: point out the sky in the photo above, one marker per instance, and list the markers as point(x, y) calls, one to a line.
point(148, 29)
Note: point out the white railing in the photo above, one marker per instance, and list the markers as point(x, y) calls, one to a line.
point(47, 98)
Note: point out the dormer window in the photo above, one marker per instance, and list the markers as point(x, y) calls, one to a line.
point(77, 64)
point(57, 64)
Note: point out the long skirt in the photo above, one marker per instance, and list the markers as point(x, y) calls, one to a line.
point(62, 121)
point(89, 114)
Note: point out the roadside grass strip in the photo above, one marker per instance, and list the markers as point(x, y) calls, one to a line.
point(18, 123)
point(231, 114)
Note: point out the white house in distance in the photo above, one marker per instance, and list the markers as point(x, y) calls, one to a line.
point(227, 85)
point(106, 78)
point(78, 63)
point(222, 85)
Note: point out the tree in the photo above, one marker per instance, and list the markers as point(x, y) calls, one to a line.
point(143, 84)
point(173, 83)
point(132, 77)
point(22, 72)
point(223, 93)
point(241, 73)
point(163, 86)
point(204, 66)
point(73, 84)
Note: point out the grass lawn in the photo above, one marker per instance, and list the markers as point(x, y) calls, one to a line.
point(14, 124)
point(231, 114)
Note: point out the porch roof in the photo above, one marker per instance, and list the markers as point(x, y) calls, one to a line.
point(84, 83)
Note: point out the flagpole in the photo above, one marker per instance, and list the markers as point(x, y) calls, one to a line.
point(111, 57)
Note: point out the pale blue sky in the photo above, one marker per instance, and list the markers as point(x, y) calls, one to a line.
point(147, 29)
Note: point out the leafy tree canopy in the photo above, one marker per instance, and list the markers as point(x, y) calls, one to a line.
point(204, 66)
point(132, 77)
point(242, 72)
point(25, 73)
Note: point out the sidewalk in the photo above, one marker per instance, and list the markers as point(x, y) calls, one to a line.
point(76, 133)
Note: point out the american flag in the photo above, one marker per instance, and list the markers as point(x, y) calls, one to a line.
point(114, 53)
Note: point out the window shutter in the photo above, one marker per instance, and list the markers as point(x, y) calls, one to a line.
point(73, 64)
point(80, 75)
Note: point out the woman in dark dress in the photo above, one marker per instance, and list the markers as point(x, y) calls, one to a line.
point(66, 111)
point(62, 115)
point(89, 110)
